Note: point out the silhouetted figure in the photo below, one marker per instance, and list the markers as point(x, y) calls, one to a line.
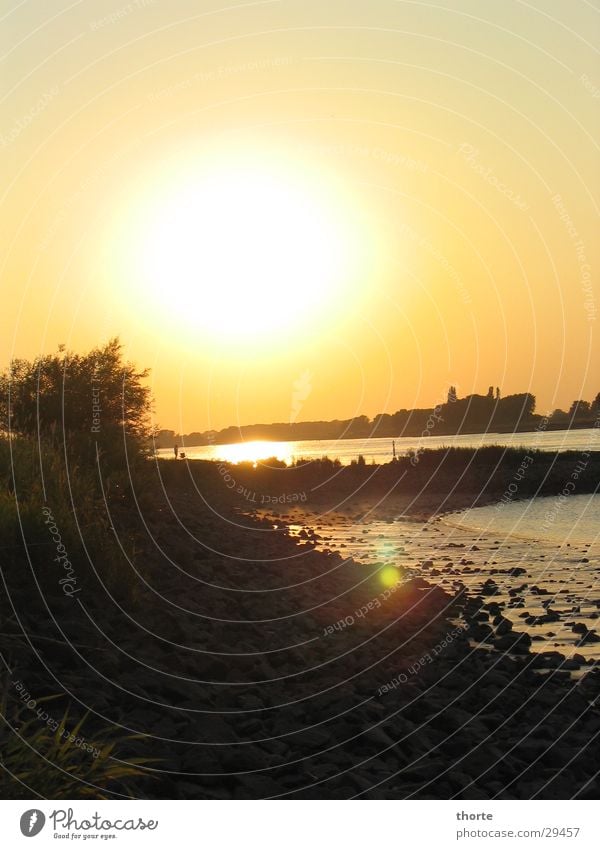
point(176, 451)
point(394, 449)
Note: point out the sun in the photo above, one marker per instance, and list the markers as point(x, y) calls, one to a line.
point(245, 251)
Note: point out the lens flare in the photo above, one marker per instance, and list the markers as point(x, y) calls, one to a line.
point(390, 576)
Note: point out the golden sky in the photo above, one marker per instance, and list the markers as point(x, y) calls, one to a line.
point(426, 175)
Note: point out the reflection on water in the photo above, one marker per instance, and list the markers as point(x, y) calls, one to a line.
point(380, 450)
point(248, 452)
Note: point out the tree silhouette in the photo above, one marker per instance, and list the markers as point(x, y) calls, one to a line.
point(90, 401)
point(579, 410)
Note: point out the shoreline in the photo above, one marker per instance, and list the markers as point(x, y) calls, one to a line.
point(426, 545)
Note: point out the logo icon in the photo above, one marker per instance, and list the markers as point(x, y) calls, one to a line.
point(32, 822)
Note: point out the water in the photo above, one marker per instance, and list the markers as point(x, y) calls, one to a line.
point(546, 577)
point(379, 450)
point(575, 518)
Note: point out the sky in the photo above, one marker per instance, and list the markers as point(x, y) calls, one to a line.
point(305, 210)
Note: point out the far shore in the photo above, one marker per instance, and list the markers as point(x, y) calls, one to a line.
point(428, 423)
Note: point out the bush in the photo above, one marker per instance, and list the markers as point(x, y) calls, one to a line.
point(95, 405)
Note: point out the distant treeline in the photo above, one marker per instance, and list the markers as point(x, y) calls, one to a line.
point(472, 414)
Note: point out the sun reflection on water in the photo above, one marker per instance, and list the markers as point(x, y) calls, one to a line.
point(253, 452)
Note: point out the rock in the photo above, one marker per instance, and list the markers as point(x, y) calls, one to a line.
point(479, 631)
point(478, 616)
point(504, 627)
point(513, 642)
point(548, 660)
point(589, 637)
point(489, 588)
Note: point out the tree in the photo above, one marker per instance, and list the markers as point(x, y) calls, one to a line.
point(452, 395)
point(513, 410)
point(92, 401)
point(579, 410)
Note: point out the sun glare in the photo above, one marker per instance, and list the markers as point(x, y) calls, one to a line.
point(241, 252)
point(252, 452)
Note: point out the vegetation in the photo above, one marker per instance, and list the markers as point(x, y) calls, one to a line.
point(75, 435)
point(55, 760)
point(464, 474)
point(94, 405)
point(40, 491)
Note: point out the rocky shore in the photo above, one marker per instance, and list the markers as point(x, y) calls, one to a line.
point(259, 666)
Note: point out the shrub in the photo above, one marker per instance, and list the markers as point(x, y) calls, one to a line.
point(95, 405)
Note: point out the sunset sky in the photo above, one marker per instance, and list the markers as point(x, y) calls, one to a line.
point(303, 209)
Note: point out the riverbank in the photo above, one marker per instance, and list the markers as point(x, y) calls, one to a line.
point(259, 665)
point(421, 485)
point(549, 591)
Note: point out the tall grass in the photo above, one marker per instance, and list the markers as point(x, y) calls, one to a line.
point(84, 505)
point(38, 759)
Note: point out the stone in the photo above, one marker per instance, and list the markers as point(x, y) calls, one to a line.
point(503, 627)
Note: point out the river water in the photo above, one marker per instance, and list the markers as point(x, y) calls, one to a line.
point(380, 450)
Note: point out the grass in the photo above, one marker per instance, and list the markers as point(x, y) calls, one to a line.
point(35, 755)
point(432, 475)
point(39, 758)
point(84, 508)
